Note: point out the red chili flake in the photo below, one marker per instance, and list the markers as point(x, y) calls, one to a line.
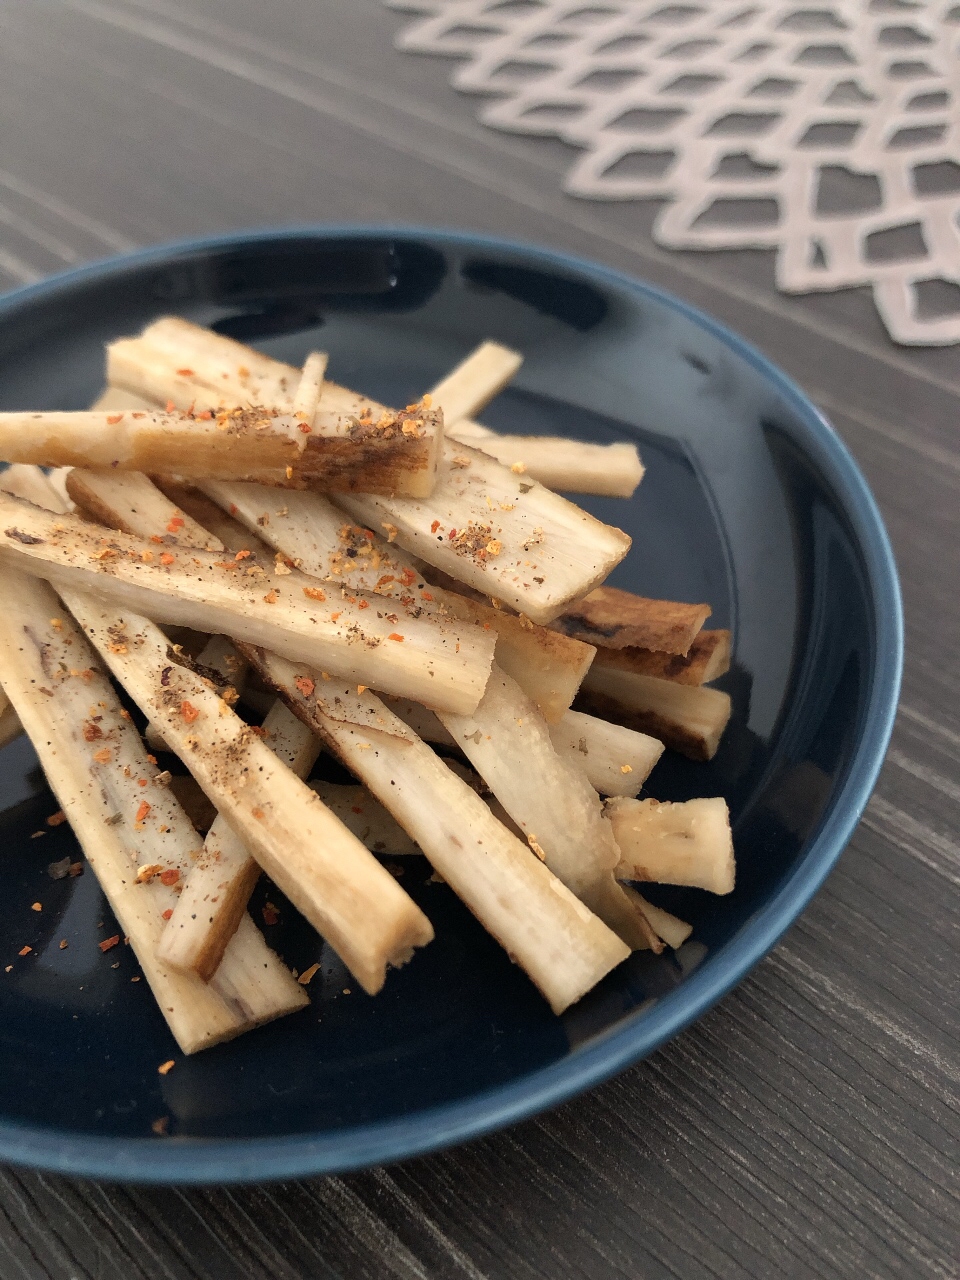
point(305, 685)
point(189, 711)
point(314, 593)
point(57, 819)
point(143, 811)
point(305, 428)
point(176, 522)
point(435, 526)
point(426, 596)
point(387, 577)
point(166, 558)
point(114, 418)
point(24, 951)
point(170, 876)
point(234, 508)
point(152, 759)
point(271, 597)
point(168, 913)
point(394, 636)
point(75, 869)
point(270, 913)
point(109, 943)
point(408, 577)
point(205, 416)
point(166, 1067)
point(242, 555)
point(364, 604)
point(356, 808)
point(104, 756)
point(334, 616)
point(184, 373)
point(258, 814)
point(91, 732)
point(171, 407)
point(452, 534)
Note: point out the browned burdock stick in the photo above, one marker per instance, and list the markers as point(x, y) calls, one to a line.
point(615, 619)
point(689, 718)
point(707, 659)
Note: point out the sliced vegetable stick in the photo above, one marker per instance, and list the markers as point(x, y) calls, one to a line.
point(366, 817)
point(129, 502)
point(95, 763)
point(549, 667)
point(573, 466)
point(615, 619)
point(614, 470)
point(689, 718)
point(617, 761)
point(707, 659)
point(500, 533)
point(687, 843)
point(354, 441)
point(219, 884)
point(561, 945)
point(218, 659)
point(313, 534)
point(325, 871)
point(475, 381)
point(672, 930)
point(413, 657)
point(508, 743)
point(308, 392)
point(150, 440)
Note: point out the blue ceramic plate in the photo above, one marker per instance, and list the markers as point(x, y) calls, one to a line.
point(750, 502)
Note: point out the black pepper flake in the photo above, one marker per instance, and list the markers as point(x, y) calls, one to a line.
point(165, 676)
point(27, 539)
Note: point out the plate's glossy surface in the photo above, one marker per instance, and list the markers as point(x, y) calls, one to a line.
point(750, 501)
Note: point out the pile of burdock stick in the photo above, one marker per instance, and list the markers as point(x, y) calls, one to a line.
point(402, 589)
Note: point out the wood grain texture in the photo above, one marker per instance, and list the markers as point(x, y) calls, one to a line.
point(809, 1126)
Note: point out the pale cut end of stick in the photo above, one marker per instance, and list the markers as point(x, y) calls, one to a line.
point(366, 817)
point(707, 659)
point(571, 466)
point(397, 651)
point(615, 619)
point(131, 503)
point(95, 765)
point(112, 398)
point(670, 928)
point(617, 761)
point(688, 718)
point(688, 843)
point(140, 440)
point(475, 381)
point(556, 940)
point(500, 533)
point(325, 871)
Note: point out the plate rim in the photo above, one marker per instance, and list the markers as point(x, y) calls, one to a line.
point(237, 1160)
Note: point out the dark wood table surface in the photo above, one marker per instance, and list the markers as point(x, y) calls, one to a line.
point(806, 1127)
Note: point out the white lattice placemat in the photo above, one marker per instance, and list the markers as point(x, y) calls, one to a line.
point(829, 132)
